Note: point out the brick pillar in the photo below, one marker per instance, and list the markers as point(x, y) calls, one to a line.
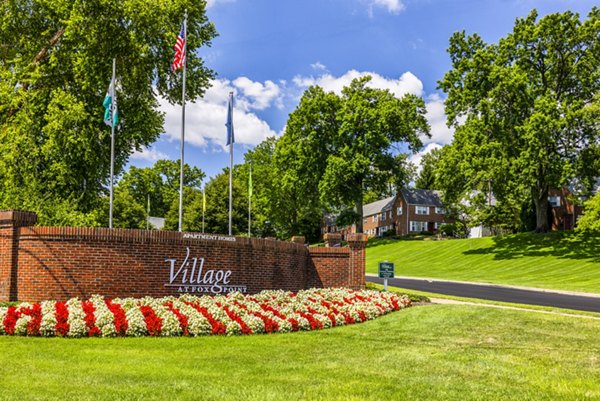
point(10, 223)
point(332, 239)
point(357, 244)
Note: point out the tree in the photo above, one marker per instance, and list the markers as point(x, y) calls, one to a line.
point(299, 162)
point(427, 176)
point(55, 67)
point(264, 189)
point(161, 183)
point(371, 124)
point(522, 108)
point(158, 184)
point(589, 223)
point(217, 205)
point(338, 149)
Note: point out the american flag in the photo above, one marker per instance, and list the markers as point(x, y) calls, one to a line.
point(179, 47)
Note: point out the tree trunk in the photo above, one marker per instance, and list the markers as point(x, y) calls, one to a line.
point(540, 199)
point(359, 210)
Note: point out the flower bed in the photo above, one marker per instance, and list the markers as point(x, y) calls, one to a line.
point(236, 313)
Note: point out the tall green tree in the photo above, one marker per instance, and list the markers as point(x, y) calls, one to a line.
point(372, 124)
point(589, 223)
point(522, 108)
point(217, 205)
point(264, 189)
point(427, 178)
point(158, 184)
point(55, 68)
point(300, 161)
point(161, 183)
point(336, 149)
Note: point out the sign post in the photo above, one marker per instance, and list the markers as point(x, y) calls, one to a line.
point(386, 270)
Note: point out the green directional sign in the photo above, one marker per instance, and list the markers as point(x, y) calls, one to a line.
point(386, 269)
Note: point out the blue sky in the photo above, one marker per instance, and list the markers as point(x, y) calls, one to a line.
point(269, 51)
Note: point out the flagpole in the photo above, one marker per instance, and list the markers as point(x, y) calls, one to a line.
point(112, 144)
point(203, 207)
point(182, 125)
point(250, 200)
point(230, 160)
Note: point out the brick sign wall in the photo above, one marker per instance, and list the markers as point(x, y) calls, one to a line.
point(38, 263)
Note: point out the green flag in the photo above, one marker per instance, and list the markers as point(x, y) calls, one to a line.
point(108, 103)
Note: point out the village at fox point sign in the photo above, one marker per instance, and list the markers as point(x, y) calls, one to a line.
point(189, 275)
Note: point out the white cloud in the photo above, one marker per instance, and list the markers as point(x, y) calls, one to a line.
point(150, 155)
point(416, 158)
point(393, 6)
point(440, 132)
point(262, 95)
point(407, 83)
point(318, 66)
point(206, 117)
point(212, 3)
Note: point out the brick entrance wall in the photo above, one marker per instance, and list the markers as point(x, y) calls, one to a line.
point(38, 263)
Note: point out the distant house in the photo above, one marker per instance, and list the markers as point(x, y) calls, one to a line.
point(564, 209)
point(410, 211)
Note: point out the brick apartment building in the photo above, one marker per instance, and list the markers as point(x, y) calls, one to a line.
point(565, 212)
point(411, 211)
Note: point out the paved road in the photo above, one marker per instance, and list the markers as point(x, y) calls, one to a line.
point(496, 293)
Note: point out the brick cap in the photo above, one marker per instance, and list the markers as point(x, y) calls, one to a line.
point(358, 237)
point(332, 239)
point(298, 239)
point(17, 218)
point(357, 241)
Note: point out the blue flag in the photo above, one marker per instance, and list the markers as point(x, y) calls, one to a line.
point(229, 124)
point(107, 103)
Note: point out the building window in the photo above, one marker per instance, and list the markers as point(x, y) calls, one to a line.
point(422, 209)
point(374, 219)
point(399, 211)
point(383, 216)
point(554, 201)
point(440, 210)
point(418, 226)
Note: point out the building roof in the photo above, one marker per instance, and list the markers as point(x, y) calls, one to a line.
point(422, 197)
point(378, 206)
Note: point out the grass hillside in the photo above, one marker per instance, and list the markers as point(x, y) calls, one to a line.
point(553, 261)
point(437, 352)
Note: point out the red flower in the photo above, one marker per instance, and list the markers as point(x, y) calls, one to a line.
point(153, 322)
point(217, 326)
point(10, 320)
point(236, 318)
point(62, 317)
point(121, 324)
point(35, 311)
point(314, 323)
point(295, 324)
point(183, 319)
point(90, 320)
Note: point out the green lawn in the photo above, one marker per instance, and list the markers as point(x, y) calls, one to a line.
point(552, 261)
point(423, 353)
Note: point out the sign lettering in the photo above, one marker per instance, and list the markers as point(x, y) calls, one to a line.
point(190, 276)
